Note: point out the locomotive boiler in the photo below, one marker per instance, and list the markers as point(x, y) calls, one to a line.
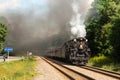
point(75, 51)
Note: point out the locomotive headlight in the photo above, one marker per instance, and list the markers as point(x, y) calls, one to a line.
point(75, 40)
point(81, 46)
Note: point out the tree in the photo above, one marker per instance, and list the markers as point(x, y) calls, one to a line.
point(95, 20)
point(3, 33)
point(100, 23)
point(115, 39)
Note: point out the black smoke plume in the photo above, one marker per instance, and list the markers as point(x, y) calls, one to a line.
point(29, 30)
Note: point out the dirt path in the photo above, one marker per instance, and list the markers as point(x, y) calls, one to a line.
point(11, 58)
point(46, 71)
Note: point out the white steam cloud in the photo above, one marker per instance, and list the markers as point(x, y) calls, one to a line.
point(77, 21)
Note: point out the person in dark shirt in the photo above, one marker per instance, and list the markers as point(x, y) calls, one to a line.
point(4, 58)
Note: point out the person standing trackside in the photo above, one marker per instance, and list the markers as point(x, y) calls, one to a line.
point(30, 54)
point(4, 57)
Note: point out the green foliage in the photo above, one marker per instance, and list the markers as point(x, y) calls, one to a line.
point(18, 70)
point(94, 24)
point(3, 33)
point(104, 44)
point(99, 61)
point(115, 39)
point(112, 67)
point(103, 31)
point(105, 63)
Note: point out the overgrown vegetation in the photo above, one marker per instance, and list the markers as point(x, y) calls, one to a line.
point(103, 32)
point(18, 70)
point(103, 28)
point(3, 33)
point(105, 63)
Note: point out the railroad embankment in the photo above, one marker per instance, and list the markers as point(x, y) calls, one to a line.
point(18, 70)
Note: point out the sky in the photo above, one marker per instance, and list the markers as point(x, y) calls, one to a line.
point(20, 5)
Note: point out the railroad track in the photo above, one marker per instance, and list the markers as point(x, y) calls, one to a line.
point(69, 73)
point(112, 75)
point(102, 71)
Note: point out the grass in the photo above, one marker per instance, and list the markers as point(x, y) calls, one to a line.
point(105, 63)
point(18, 70)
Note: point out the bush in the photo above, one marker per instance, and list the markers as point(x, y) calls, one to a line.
point(105, 63)
point(99, 61)
point(18, 70)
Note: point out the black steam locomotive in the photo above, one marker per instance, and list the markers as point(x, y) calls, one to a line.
point(75, 51)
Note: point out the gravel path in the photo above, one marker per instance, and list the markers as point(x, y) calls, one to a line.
point(47, 72)
point(11, 58)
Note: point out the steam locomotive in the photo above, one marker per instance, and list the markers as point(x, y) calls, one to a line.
point(75, 51)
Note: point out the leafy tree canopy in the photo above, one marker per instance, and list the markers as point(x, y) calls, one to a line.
point(103, 27)
point(3, 33)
